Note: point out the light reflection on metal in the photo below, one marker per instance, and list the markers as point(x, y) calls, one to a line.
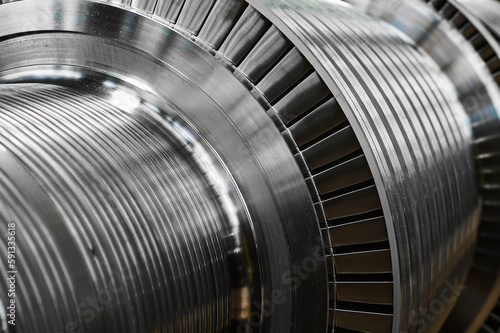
point(302, 134)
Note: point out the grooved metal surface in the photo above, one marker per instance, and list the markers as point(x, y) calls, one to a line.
point(379, 134)
point(392, 95)
point(107, 192)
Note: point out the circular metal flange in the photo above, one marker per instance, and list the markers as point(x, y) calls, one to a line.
point(110, 234)
point(466, 49)
point(167, 67)
point(377, 130)
point(380, 80)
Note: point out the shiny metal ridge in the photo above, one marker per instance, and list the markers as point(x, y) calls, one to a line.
point(260, 166)
point(478, 22)
point(462, 38)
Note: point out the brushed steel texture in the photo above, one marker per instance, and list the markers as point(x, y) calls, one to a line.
point(274, 192)
point(392, 95)
point(341, 152)
point(121, 209)
point(460, 37)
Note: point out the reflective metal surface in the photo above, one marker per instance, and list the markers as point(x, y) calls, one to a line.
point(105, 215)
point(273, 191)
point(457, 38)
point(392, 96)
point(480, 27)
point(307, 167)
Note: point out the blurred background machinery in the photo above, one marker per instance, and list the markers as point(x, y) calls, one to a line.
point(250, 166)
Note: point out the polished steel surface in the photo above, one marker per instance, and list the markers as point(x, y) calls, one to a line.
point(309, 167)
point(455, 35)
point(480, 26)
point(418, 142)
point(122, 208)
point(273, 191)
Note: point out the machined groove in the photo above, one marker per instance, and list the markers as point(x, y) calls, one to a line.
point(302, 98)
point(319, 121)
point(347, 234)
point(89, 222)
point(169, 10)
point(363, 321)
point(353, 203)
point(331, 148)
point(375, 128)
point(335, 178)
point(477, 23)
point(244, 35)
point(193, 15)
point(269, 49)
point(220, 22)
point(365, 292)
point(285, 74)
point(145, 5)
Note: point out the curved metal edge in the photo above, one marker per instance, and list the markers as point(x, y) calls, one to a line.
point(272, 14)
point(279, 14)
point(289, 190)
point(480, 96)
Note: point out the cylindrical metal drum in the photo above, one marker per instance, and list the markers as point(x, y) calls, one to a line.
point(229, 166)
